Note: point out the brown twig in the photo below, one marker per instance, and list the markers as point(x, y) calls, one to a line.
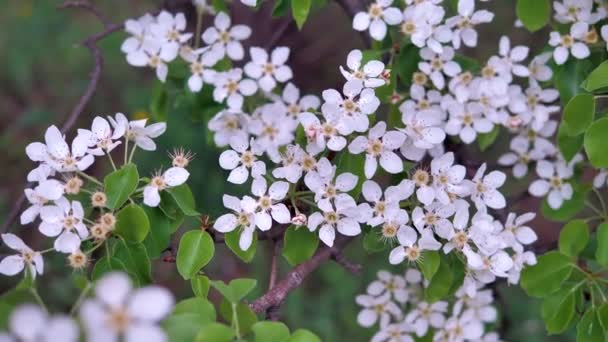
point(295, 277)
point(91, 44)
point(341, 260)
point(274, 264)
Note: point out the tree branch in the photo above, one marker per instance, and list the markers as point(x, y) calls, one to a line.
point(277, 295)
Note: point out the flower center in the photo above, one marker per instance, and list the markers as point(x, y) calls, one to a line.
point(591, 37)
point(154, 61)
point(436, 64)
point(567, 41)
point(349, 106)
point(331, 217)
point(293, 109)
point(408, 27)
point(196, 68)
point(268, 68)
point(265, 203)
point(173, 36)
point(488, 72)
point(328, 130)
point(330, 191)
point(412, 253)
point(69, 222)
point(460, 239)
point(420, 78)
point(467, 119)
point(224, 37)
point(375, 11)
point(243, 219)
point(248, 158)
point(232, 87)
point(375, 147)
point(158, 182)
point(119, 320)
point(421, 177)
point(389, 230)
point(465, 23)
point(308, 163)
point(556, 182)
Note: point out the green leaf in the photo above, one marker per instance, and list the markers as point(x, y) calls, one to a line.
point(602, 314)
point(558, 310)
point(595, 144)
point(299, 245)
point(372, 241)
point(579, 114)
point(353, 163)
point(184, 199)
point(598, 78)
point(232, 241)
point(236, 290)
point(215, 332)
point(568, 145)
point(183, 327)
point(574, 237)
point(280, 8)
point(196, 248)
point(589, 328)
point(440, 284)
point(546, 277)
point(159, 107)
point(270, 331)
point(160, 232)
point(300, 10)
point(570, 207)
point(534, 14)
point(105, 265)
point(429, 264)
point(132, 223)
point(120, 184)
point(200, 285)
point(486, 140)
point(568, 78)
point(197, 305)
point(135, 258)
point(468, 63)
point(601, 253)
point(302, 335)
point(245, 316)
point(406, 64)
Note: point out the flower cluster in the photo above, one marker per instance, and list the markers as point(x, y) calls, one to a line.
point(396, 304)
point(116, 312)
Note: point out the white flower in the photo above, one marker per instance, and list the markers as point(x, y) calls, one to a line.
point(572, 11)
point(272, 127)
point(101, 138)
point(294, 160)
point(520, 260)
point(231, 85)
point(435, 216)
point(30, 322)
point(46, 191)
point(251, 3)
point(379, 145)
point(483, 189)
point(604, 33)
point(201, 65)
point(422, 100)
point(354, 109)
point(447, 180)
point(465, 23)
point(533, 106)
point(423, 130)
point(462, 328)
point(393, 333)
point(376, 19)
point(516, 233)
point(153, 56)
point(269, 204)
point(384, 206)
point(553, 181)
point(168, 30)
point(225, 38)
point(204, 6)
point(244, 217)
point(376, 309)
point(425, 315)
point(437, 64)
point(466, 121)
point(520, 157)
point(389, 283)
point(173, 177)
point(240, 159)
point(141, 37)
point(268, 71)
point(294, 104)
point(57, 154)
point(572, 43)
point(344, 218)
point(330, 133)
point(120, 312)
point(420, 23)
point(538, 69)
point(369, 74)
point(14, 264)
point(512, 57)
point(227, 124)
point(495, 78)
point(325, 187)
point(66, 221)
point(600, 180)
point(410, 247)
point(138, 132)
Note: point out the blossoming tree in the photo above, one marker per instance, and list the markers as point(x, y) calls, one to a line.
point(377, 163)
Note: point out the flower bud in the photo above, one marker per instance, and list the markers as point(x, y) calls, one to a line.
point(108, 221)
point(72, 185)
point(98, 199)
point(299, 220)
point(181, 158)
point(99, 232)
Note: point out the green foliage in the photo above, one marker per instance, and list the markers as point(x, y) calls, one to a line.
point(120, 184)
point(534, 14)
point(406, 63)
point(132, 223)
point(558, 309)
point(568, 78)
point(198, 306)
point(107, 264)
point(196, 248)
point(353, 163)
point(578, 114)
point(160, 232)
point(570, 207)
point(546, 277)
point(242, 317)
point(596, 141)
point(573, 238)
point(232, 241)
point(302, 335)
point(200, 285)
point(372, 241)
point(568, 145)
point(270, 331)
point(441, 282)
point(601, 253)
point(598, 78)
point(135, 258)
point(184, 199)
point(429, 264)
point(236, 290)
point(485, 140)
point(215, 332)
point(299, 245)
point(589, 328)
point(300, 10)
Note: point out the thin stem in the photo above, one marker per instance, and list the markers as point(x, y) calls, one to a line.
point(38, 298)
point(594, 208)
point(47, 250)
point(89, 178)
point(601, 199)
point(235, 321)
point(132, 153)
point(199, 27)
point(309, 202)
point(81, 297)
point(126, 151)
point(111, 161)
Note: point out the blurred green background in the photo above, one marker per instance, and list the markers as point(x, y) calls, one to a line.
point(44, 72)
